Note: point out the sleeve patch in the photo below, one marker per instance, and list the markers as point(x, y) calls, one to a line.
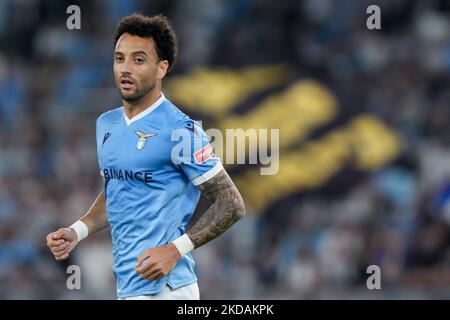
point(203, 154)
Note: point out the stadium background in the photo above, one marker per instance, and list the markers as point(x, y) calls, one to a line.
point(364, 142)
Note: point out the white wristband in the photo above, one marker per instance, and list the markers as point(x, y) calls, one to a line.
point(184, 244)
point(81, 230)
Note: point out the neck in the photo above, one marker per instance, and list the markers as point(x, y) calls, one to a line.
point(136, 107)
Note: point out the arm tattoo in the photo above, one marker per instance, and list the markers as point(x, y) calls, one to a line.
point(228, 207)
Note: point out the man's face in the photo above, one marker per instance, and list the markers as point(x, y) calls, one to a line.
point(136, 66)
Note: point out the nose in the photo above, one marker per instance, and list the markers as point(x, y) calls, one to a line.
point(125, 74)
point(125, 67)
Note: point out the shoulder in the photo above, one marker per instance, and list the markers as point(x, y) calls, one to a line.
point(110, 116)
point(177, 117)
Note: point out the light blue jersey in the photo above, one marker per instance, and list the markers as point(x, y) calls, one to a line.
point(150, 187)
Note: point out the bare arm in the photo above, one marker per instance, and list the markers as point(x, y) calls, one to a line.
point(62, 241)
point(227, 208)
point(96, 219)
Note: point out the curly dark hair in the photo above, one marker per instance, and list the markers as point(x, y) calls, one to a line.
point(157, 27)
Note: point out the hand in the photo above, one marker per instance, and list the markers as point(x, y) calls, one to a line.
point(157, 262)
point(62, 242)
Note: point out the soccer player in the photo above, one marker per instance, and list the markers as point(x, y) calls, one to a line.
point(155, 162)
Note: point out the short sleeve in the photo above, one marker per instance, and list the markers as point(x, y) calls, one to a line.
point(97, 139)
point(193, 153)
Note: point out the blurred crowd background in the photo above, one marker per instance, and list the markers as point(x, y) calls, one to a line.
point(311, 243)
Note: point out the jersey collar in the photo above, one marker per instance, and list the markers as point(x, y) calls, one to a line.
point(142, 114)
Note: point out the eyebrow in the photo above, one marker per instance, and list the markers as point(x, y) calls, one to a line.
point(133, 53)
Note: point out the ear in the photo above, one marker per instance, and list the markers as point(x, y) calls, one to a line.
point(163, 66)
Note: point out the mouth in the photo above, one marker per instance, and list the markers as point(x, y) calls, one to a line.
point(126, 84)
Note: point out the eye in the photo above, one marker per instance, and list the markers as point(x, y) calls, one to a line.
point(139, 60)
point(118, 59)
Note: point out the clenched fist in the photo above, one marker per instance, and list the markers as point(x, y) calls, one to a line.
point(62, 242)
point(156, 263)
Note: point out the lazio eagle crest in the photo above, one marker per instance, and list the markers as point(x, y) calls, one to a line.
point(143, 139)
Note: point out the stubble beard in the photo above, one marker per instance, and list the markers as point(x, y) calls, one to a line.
point(137, 95)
